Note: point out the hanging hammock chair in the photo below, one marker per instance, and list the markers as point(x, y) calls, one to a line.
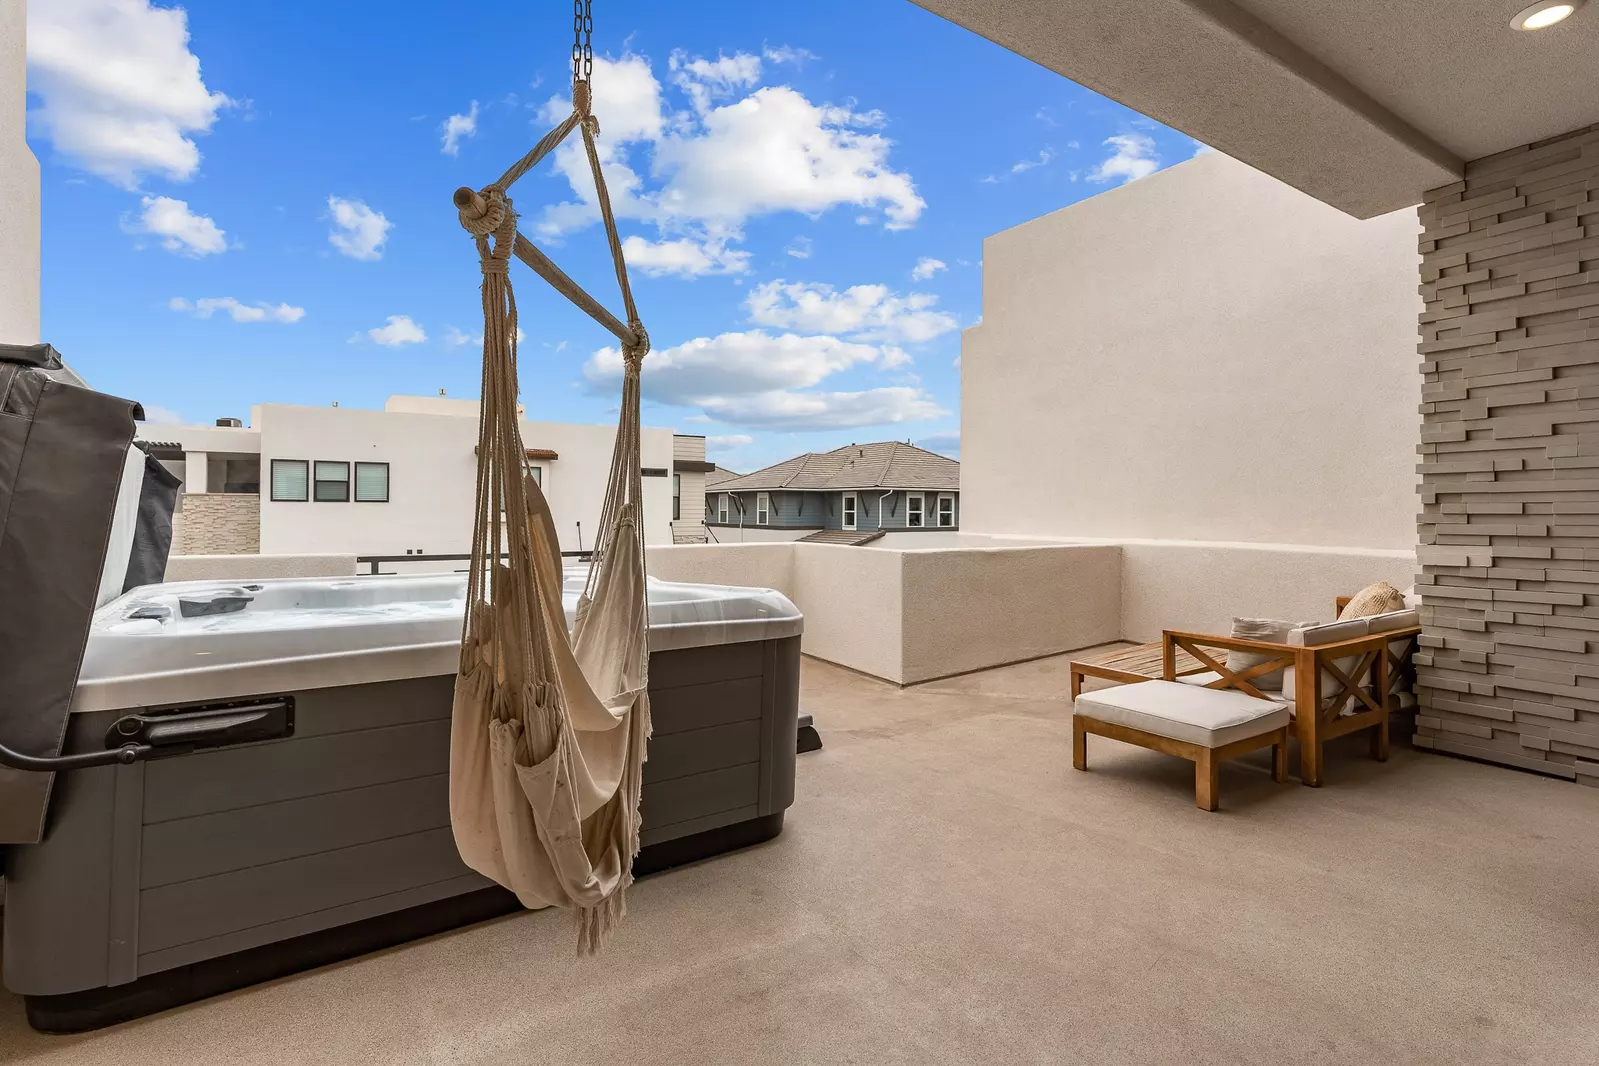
point(548, 737)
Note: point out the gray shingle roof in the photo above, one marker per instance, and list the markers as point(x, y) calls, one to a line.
point(886, 465)
point(719, 475)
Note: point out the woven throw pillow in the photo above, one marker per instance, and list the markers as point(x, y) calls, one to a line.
point(1376, 598)
point(1268, 629)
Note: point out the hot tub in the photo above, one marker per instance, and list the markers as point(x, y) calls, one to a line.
point(320, 825)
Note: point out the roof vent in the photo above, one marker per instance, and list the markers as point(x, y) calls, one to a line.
point(231, 423)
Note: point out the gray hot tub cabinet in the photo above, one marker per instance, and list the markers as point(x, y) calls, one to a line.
point(166, 880)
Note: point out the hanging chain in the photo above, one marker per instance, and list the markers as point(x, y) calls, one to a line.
point(582, 40)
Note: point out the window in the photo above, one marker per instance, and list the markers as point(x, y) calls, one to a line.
point(677, 497)
point(721, 508)
point(371, 482)
point(849, 510)
point(291, 480)
point(763, 508)
point(537, 473)
point(913, 510)
point(946, 510)
point(332, 483)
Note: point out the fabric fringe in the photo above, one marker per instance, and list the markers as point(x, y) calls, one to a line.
point(596, 924)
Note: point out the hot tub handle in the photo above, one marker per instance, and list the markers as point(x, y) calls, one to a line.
point(136, 737)
point(127, 753)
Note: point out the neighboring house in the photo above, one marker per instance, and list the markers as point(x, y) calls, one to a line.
point(848, 495)
point(689, 471)
point(400, 481)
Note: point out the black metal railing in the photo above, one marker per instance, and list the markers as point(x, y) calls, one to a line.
point(376, 561)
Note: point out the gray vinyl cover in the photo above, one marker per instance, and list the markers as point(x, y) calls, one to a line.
point(152, 529)
point(62, 450)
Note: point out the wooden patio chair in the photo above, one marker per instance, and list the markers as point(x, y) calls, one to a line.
point(1355, 670)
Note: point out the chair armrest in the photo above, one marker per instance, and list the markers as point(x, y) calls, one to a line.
point(1356, 645)
point(1211, 640)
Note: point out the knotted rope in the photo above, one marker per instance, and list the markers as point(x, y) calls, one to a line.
point(508, 661)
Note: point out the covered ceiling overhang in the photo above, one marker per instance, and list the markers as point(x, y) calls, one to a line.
point(1363, 104)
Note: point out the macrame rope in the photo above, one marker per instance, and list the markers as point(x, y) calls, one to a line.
point(507, 654)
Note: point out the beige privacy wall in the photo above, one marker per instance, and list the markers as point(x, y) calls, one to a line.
point(1509, 668)
point(1206, 355)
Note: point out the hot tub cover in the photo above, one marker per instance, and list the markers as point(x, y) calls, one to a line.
point(206, 640)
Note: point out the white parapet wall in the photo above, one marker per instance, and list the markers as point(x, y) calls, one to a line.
point(971, 608)
point(1201, 587)
point(913, 615)
point(257, 567)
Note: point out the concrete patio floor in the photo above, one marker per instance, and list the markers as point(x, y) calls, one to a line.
point(949, 890)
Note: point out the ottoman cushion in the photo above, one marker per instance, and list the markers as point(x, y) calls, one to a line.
point(1208, 717)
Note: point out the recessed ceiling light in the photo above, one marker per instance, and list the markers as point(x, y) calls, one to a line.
point(1545, 14)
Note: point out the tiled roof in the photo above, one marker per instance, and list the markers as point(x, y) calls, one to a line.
point(886, 465)
point(719, 475)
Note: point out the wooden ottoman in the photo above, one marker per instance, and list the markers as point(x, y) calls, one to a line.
point(1203, 725)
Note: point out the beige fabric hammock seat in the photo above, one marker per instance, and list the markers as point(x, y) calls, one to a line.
point(549, 731)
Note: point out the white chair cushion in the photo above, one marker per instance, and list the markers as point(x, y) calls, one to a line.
point(1328, 633)
point(1209, 676)
point(1208, 717)
point(1270, 630)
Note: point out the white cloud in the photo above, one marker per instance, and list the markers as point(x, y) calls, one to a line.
point(456, 127)
point(1200, 147)
point(800, 248)
point(863, 312)
point(1023, 166)
point(784, 54)
point(732, 156)
point(119, 91)
point(398, 331)
point(757, 379)
point(180, 229)
point(1044, 156)
point(161, 416)
point(455, 338)
point(796, 411)
point(684, 257)
point(944, 443)
point(926, 267)
point(236, 310)
point(1134, 157)
point(707, 80)
point(727, 442)
point(359, 232)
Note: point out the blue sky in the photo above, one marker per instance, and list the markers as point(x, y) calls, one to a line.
point(248, 203)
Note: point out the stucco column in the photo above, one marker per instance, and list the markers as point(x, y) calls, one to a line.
point(195, 465)
point(19, 188)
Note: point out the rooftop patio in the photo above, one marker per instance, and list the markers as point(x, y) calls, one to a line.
point(949, 890)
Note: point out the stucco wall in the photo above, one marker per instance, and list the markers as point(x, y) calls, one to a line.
point(255, 567)
point(911, 616)
point(19, 187)
point(1206, 354)
point(966, 609)
point(1202, 587)
point(1509, 667)
point(217, 523)
point(432, 478)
